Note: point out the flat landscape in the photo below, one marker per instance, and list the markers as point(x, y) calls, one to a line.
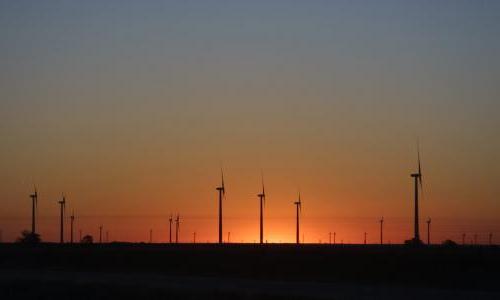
point(247, 271)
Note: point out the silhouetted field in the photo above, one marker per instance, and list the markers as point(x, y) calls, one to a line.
point(186, 270)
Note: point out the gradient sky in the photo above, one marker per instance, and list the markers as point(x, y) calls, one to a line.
point(130, 108)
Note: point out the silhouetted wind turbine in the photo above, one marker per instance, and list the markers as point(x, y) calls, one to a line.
point(429, 231)
point(490, 239)
point(298, 205)
point(62, 203)
point(150, 236)
point(170, 229)
point(381, 231)
point(177, 221)
point(334, 237)
point(329, 237)
point(100, 234)
point(365, 237)
point(34, 204)
point(418, 183)
point(463, 238)
point(222, 192)
point(72, 218)
point(262, 197)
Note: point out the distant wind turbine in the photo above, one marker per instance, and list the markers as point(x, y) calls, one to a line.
point(298, 205)
point(262, 197)
point(418, 184)
point(429, 231)
point(72, 218)
point(222, 192)
point(62, 203)
point(381, 231)
point(100, 234)
point(34, 204)
point(177, 221)
point(170, 229)
point(365, 237)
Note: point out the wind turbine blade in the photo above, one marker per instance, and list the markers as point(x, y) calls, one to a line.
point(222, 177)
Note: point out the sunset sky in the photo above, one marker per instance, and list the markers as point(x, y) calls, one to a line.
point(131, 108)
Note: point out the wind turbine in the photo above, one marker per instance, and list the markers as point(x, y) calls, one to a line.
point(170, 229)
point(72, 218)
point(177, 229)
point(262, 197)
point(100, 234)
point(365, 237)
point(418, 184)
point(222, 192)
point(62, 203)
point(429, 231)
point(34, 204)
point(298, 205)
point(381, 231)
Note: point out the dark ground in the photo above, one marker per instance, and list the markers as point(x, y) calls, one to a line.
point(243, 271)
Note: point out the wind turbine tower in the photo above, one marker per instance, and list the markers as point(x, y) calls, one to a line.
point(298, 205)
point(429, 231)
point(72, 218)
point(418, 184)
point(222, 192)
point(262, 197)
point(34, 204)
point(62, 203)
point(100, 234)
point(177, 221)
point(381, 231)
point(170, 229)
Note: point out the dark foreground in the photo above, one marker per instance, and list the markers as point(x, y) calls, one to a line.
point(203, 271)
